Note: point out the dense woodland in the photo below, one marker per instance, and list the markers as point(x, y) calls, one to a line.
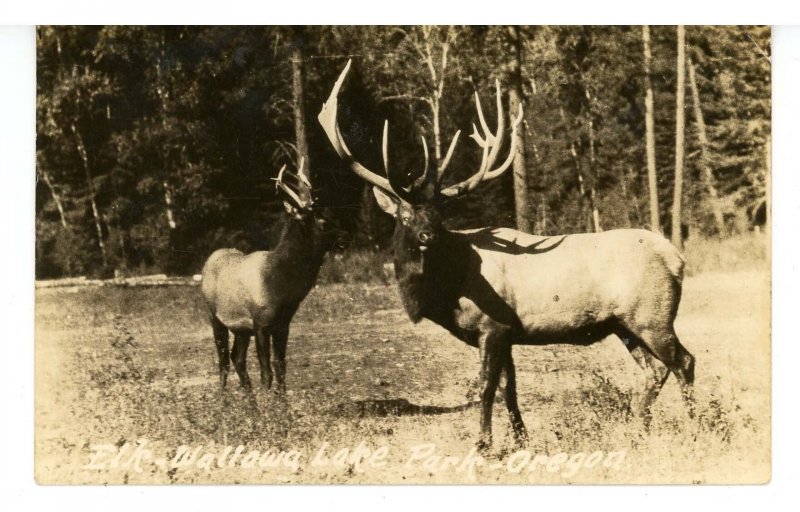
point(156, 145)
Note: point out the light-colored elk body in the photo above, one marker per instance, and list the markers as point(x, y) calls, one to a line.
point(562, 287)
point(244, 287)
point(495, 287)
point(259, 293)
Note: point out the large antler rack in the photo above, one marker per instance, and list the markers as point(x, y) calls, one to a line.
point(490, 143)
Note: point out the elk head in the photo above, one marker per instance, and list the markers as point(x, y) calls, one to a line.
point(417, 208)
point(315, 221)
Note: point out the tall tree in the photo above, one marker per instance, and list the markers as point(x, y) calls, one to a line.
point(680, 127)
point(298, 97)
point(515, 98)
point(650, 138)
point(702, 139)
point(45, 176)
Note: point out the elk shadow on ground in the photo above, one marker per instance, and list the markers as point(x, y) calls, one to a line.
point(381, 408)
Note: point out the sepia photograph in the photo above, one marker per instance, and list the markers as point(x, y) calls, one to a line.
point(384, 254)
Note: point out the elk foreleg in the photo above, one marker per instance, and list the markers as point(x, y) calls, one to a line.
point(262, 349)
point(520, 433)
point(280, 337)
point(492, 352)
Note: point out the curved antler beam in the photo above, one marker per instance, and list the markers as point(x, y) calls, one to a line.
point(328, 119)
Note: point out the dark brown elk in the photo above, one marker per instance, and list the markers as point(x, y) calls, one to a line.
point(496, 287)
point(259, 293)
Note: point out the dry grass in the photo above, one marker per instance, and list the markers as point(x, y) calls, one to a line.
point(745, 252)
point(117, 365)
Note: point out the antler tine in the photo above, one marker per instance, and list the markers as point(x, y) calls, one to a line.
point(449, 154)
point(396, 187)
point(304, 187)
point(427, 174)
point(301, 174)
point(511, 151)
point(425, 148)
point(385, 146)
point(279, 179)
point(501, 126)
point(476, 136)
point(279, 184)
point(482, 120)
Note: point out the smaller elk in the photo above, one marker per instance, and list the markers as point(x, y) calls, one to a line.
point(259, 293)
point(495, 287)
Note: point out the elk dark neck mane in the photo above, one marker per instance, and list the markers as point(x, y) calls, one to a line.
point(300, 248)
point(432, 282)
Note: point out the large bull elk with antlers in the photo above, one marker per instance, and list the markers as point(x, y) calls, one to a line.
point(496, 287)
point(259, 293)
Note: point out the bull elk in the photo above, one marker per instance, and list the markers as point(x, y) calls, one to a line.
point(259, 293)
point(496, 287)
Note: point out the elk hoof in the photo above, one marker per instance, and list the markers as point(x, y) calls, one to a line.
point(484, 444)
point(521, 437)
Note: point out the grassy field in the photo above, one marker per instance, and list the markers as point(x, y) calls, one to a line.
point(374, 399)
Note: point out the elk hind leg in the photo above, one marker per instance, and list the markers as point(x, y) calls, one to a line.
point(239, 357)
point(656, 374)
point(668, 349)
point(221, 337)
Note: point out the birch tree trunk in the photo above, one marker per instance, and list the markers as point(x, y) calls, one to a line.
point(434, 99)
point(702, 137)
point(650, 138)
point(163, 96)
point(98, 223)
point(54, 193)
point(677, 238)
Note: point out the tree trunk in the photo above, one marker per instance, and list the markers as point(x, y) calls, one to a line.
point(434, 99)
point(98, 222)
point(650, 138)
point(56, 197)
point(514, 101)
point(298, 97)
point(677, 238)
point(593, 186)
point(768, 194)
point(163, 96)
point(702, 137)
point(587, 226)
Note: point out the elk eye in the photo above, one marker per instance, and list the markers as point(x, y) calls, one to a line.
point(406, 218)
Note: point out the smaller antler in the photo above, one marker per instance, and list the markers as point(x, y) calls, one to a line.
point(294, 196)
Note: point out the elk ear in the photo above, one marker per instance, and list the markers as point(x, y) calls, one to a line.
point(291, 210)
point(387, 203)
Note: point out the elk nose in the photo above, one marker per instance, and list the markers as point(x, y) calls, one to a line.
point(425, 237)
